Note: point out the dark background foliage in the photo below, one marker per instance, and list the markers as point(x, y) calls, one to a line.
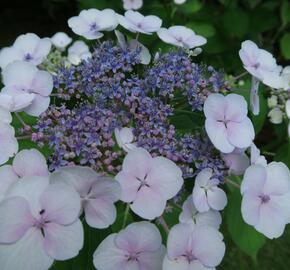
point(225, 23)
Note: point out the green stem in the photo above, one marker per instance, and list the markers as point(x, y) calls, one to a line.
point(126, 215)
point(164, 224)
point(233, 183)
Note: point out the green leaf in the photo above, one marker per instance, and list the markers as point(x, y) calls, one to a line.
point(244, 236)
point(285, 46)
point(191, 6)
point(285, 12)
point(204, 29)
point(283, 154)
point(236, 22)
point(124, 217)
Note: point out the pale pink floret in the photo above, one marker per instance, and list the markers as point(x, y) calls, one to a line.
point(136, 247)
point(191, 216)
point(132, 4)
point(125, 138)
point(199, 248)
point(29, 48)
point(29, 80)
point(206, 194)
point(181, 36)
point(137, 23)
point(91, 22)
point(16, 103)
point(26, 163)
point(98, 193)
point(60, 40)
point(39, 224)
point(147, 183)
point(266, 198)
point(256, 157)
point(227, 124)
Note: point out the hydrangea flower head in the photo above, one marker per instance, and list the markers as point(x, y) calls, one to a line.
point(137, 23)
point(227, 124)
point(98, 193)
point(29, 80)
point(90, 23)
point(147, 183)
point(201, 247)
point(40, 222)
point(266, 198)
point(206, 194)
point(181, 36)
point(29, 48)
point(138, 247)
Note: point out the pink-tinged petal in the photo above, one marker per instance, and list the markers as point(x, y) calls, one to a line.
point(38, 106)
point(203, 177)
point(211, 218)
point(215, 106)
point(106, 188)
point(78, 25)
point(5, 115)
point(241, 134)
point(251, 208)
point(100, 213)
point(165, 177)
point(254, 179)
point(22, 101)
point(9, 55)
point(81, 178)
point(176, 264)
point(30, 188)
point(108, 256)
point(148, 204)
point(208, 246)
point(15, 219)
point(178, 240)
point(152, 260)
point(41, 50)
point(132, 237)
point(236, 108)
point(165, 35)
point(26, 254)
point(137, 163)
point(283, 203)
point(129, 186)
point(23, 71)
point(200, 199)
point(195, 41)
point(7, 178)
point(256, 157)
point(124, 135)
point(42, 83)
point(272, 220)
point(26, 42)
point(6, 106)
point(249, 53)
point(8, 142)
point(237, 163)
point(125, 23)
point(63, 242)
point(188, 211)
point(30, 162)
point(217, 133)
point(108, 20)
point(60, 40)
point(254, 96)
point(217, 198)
point(151, 23)
point(61, 203)
point(278, 179)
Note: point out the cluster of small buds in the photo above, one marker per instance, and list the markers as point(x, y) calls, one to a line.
point(277, 104)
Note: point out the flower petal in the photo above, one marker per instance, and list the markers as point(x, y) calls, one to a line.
point(217, 198)
point(254, 179)
point(131, 238)
point(38, 106)
point(63, 242)
point(251, 208)
point(26, 254)
point(7, 178)
point(30, 162)
point(215, 106)
point(236, 108)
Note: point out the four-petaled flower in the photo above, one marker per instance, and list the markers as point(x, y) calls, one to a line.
point(227, 124)
point(138, 246)
point(147, 183)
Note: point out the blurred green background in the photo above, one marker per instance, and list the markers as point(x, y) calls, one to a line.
point(225, 23)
